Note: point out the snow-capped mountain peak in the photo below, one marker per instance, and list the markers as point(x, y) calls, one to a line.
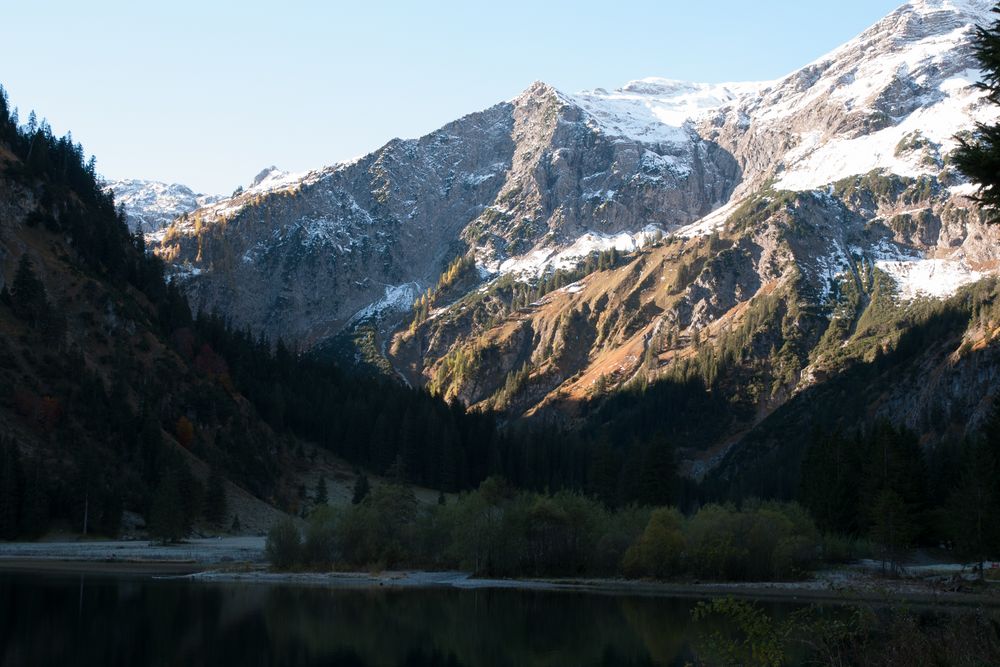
point(655, 110)
point(272, 178)
point(979, 9)
point(892, 98)
point(151, 205)
point(542, 180)
point(264, 173)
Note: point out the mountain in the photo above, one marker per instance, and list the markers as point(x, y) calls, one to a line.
point(152, 205)
point(97, 406)
point(372, 234)
point(761, 238)
point(118, 405)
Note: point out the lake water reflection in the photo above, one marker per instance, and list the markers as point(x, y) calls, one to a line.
point(48, 619)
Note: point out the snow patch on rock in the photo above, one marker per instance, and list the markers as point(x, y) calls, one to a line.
point(960, 106)
point(539, 261)
point(397, 299)
point(935, 278)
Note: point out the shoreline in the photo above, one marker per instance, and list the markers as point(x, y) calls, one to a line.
point(112, 567)
point(815, 591)
point(808, 591)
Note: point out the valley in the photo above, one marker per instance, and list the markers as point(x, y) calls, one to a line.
point(754, 226)
point(667, 373)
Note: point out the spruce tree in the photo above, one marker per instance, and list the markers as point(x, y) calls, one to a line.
point(150, 445)
point(830, 473)
point(166, 517)
point(10, 489)
point(361, 489)
point(975, 504)
point(321, 495)
point(893, 490)
point(893, 527)
point(191, 491)
point(35, 515)
point(215, 497)
point(28, 293)
point(397, 471)
point(657, 473)
point(602, 473)
point(978, 157)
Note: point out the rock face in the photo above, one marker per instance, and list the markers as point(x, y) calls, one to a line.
point(787, 228)
point(305, 259)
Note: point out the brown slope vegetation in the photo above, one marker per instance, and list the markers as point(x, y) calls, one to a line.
point(595, 325)
point(635, 322)
point(754, 311)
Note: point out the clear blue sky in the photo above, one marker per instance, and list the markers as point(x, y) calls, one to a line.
point(207, 93)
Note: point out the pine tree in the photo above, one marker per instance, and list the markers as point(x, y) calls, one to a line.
point(361, 489)
point(602, 474)
point(215, 497)
point(10, 489)
point(409, 441)
point(656, 477)
point(35, 517)
point(191, 490)
point(382, 442)
point(979, 157)
point(321, 495)
point(397, 471)
point(975, 504)
point(28, 293)
point(166, 517)
point(893, 489)
point(892, 526)
point(150, 445)
point(829, 477)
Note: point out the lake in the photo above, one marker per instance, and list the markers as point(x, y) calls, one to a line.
point(71, 619)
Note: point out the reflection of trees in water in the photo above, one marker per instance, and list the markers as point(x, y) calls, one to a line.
point(459, 627)
point(108, 621)
point(125, 622)
point(142, 621)
point(663, 629)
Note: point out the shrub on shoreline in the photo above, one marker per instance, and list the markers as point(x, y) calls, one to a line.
point(498, 531)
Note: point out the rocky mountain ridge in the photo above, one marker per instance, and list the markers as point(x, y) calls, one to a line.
point(152, 205)
point(756, 223)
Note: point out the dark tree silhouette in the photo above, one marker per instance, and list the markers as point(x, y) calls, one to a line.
point(978, 156)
